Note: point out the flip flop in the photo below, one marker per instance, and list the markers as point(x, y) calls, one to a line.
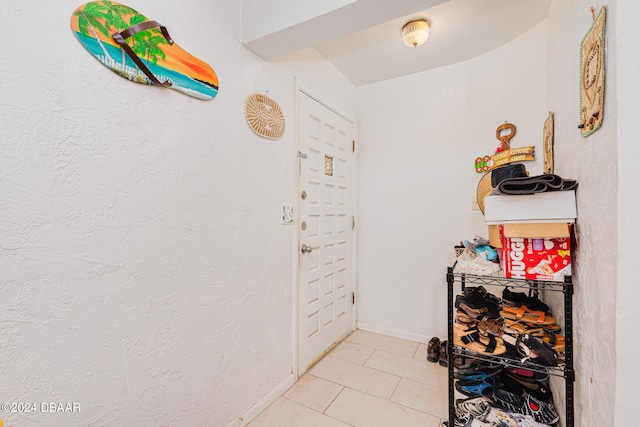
point(474, 388)
point(140, 50)
point(479, 376)
point(525, 314)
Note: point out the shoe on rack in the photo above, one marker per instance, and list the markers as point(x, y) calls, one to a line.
point(433, 349)
point(473, 388)
point(478, 342)
point(478, 307)
point(531, 348)
point(540, 352)
point(476, 293)
point(542, 412)
point(521, 385)
point(482, 408)
point(517, 299)
point(478, 367)
point(528, 374)
point(467, 420)
point(475, 406)
point(527, 421)
point(478, 376)
point(499, 418)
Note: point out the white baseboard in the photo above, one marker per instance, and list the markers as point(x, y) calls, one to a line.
point(271, 397)
point(393, 332)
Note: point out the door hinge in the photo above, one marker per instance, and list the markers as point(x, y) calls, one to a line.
point(353, 222)
point(353, 297)
point(353, 146)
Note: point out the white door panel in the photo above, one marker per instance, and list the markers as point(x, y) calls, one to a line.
point(325, 303)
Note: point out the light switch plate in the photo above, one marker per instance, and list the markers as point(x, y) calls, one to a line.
point(474, 203)
point(287, 214)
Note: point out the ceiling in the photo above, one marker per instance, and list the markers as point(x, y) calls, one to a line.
point(362, 38)
point(460, 30)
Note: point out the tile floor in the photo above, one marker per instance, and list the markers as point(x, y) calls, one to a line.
point(368, 380)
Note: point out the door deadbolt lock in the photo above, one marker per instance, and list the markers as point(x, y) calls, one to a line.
point(303, 226)
point(305, 249)
point(303, 195)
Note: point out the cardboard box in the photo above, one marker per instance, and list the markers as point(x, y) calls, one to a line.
point(553, 206)
point(536, 251)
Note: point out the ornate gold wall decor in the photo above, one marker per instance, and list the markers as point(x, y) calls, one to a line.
point(264, 116)
point(505, 154)
point(548, 144)
point(592, 77)
point(328, 165)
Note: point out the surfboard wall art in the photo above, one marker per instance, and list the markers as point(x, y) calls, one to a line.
point(140, 50)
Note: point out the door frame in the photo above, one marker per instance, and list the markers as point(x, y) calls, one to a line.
point(302, 88)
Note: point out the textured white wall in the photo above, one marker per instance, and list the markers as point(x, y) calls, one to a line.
point(628, 292)
point(418, 139)
point(594, 163)
point(145, 273)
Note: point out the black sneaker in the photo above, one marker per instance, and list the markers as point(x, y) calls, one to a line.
point(542, 412)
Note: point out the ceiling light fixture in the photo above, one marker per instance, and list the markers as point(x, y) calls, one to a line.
point(415, 33)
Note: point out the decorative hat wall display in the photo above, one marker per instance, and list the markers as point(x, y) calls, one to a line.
point(592, 71)
point(264, 116)
point(504, 154)
point(548, 144)
point(140, 50)
point(483, 190)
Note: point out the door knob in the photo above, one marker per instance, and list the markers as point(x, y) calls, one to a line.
point(305, 249)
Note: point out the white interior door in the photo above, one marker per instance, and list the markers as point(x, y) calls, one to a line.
point(326, 228)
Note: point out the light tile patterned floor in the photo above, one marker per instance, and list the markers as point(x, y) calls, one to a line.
point(369, 380)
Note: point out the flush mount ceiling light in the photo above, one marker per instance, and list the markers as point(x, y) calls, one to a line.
point(415, 33)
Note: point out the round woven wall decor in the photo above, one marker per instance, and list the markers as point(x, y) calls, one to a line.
point(264, 116)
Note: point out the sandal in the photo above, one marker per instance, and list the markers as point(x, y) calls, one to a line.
point(517, 299)
point(491, 326)
point(474, 313)
point(532, 348)
point(480, 343)
point(106, 40)
point(526, 315)
point(540, 352)
point(476, 308)
point(443, 360)
point(553, 340)
point(514, 327)
point(464, 319)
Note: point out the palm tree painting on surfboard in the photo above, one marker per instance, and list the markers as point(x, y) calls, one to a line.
point(140, 50)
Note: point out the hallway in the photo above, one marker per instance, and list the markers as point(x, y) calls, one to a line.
point(369, 380)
